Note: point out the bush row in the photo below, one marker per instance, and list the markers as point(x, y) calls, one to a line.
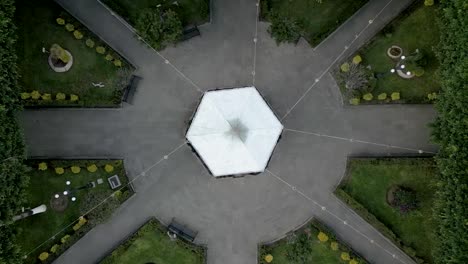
point(383, 97)
point(91, 167)
point(36, 95)
point(370, 218)
point(79, 31)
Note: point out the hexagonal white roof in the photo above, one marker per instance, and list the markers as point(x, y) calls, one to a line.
point(234, 131)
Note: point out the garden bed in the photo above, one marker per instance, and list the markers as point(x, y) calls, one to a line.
point(47, 179)
point(151, 244)
point(312, 20)
point(410, 32)
point(96, 77)
point(312, 243)
point(365, 189)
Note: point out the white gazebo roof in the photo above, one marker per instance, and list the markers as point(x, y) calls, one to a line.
point(234, 131)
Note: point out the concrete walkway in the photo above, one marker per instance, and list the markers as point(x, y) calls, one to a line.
point(234, 215)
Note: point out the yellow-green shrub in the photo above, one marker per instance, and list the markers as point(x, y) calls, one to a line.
point(75, 169)
point(42, 166)
point(70, 27)
point(46, 97)
point(428, 2)
point(74, 97)
point(322, 237)
point(382, 96)
point(80, 223)
point(354, 101)
point(334, 246)
point(60, 21)
point(92, 168)
point(35, 95)
point(77, 34)
point(109, 168)
point(59, 170)
point(395, 96)
point(344, 67)
point(100, 49)
point(368, 97)
point(54, 248)
point(43, 256)
point(25, 95)
point(118, 63)
point(432, 96)
point(353, 261)
point(268, 258)
point(60, 96)
point(109, 57)
point(357, 59)
point(64, 239)
point(89, 43)
point(345, 256)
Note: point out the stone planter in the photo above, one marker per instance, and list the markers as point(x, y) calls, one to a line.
point(64, 68)
point(394, 52)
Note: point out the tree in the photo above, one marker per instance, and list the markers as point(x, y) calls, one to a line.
point(284, 28)
point(357, 79)
point(58, 53)
point(98, 207)
point(159, 28)
point(299, 250)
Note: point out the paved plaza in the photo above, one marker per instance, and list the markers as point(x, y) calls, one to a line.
point(231, 215)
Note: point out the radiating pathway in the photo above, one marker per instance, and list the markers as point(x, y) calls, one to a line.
point(234, 215)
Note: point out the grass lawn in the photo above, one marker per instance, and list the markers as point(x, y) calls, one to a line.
point(367, 183)
point(317, 20)
point(37, 28)
point(414, 29)
point(150, 244)
point(189, 11)
point(44, 185)
point(317, 251)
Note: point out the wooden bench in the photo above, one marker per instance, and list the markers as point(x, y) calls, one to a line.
point(190, 32)
point(182, 231)
point(130, 90)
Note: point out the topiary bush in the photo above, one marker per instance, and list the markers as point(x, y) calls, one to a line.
point(75, 169)
point(418, 72)
point(428, 2)
point(54, 248)
point(60, 96)
point(345, 256)
point(58, 53)
point(25, 95)
point(268, 258)
point(92, 168)
point(35, 95)
point(46, 97)
point(70, 27)
point(109, 168)
point(322, 237)
point(64, 239)
point(382, 96)
point(395, 96)
point(334, 246)
point(100, 49)
point(60, 21)
point(59, 170)
point(432, 96)
point(77, 34)
point(109, 57)
point(74, 97)
point(344, 67)
point(43, 256)
point(357, 59)
point(118, 63)
point(367, 97)
point(90, 43)
point(42, 166)
point(355, 101)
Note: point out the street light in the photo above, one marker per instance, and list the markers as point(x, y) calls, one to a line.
point(402, 66)
point(67, 182)
point(392, 70)
point(73, 199)
point(65, 193)
point(408, 73)
point(403, 57)
point(56, 196)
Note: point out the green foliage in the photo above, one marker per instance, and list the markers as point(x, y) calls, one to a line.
point(344, 67)
point(77, 34)
point(35, 95)
point(395, 96)
point(42, 166)
point(60, 96)
point(367, 97)
point(58, 53)
point(64, 239)
point(418, 71)
point(100, 49)
point(70, 27)
point(345, 256)
point(118, 63)
point(432, 96)
point(357, 59)
point(100, 212)
point(109, 57)
point(25, 96)
point(60, 21)
point(450, 131)
point(54, 248)
point(46, 97)
point(428, 2)
point(158, 29)
point(90, 43)
point(75, 169)
point(299, 249)
point(355, 101)
point(404, 199)
point(43, 256)
point(59, 170)
point(283, 28)
point(92, 168)
point(109, 168)
point(382, 96)
point(74, 97)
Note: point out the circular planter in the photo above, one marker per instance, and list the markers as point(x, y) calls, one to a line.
point(404, 75)
point(394, 52)
point(61, 68)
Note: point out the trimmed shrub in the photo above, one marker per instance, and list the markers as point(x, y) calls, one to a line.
point(357, 59)
point(368, 97)
point(117, 194)
point(25, 96)
point(77, 34)
point(100, 49)
point(46, 97)
point(109, 57)
point(109, 168)
point(60, 96)
point(428, 2)
point(334, 246)
point(92, 168)
point(353, 261)
point(64, 239)
point(354, 101)
point(43, 256)
point(74, 97)
point(60, 21)
point(35, 95)
point(382, 96)
point(432, 96)
point(118, 63)
point(54, 248)
point(344, 67)
point(59, 170)
point(58, 53)
point(42, 166)
point(80, 223)
point(268, 258)
point(322, 237)
point(345, 256)
point(284, 28)
point(395, 96)
point(90, 43)
point(418, 72)
point(75, 169)
point(70, 27)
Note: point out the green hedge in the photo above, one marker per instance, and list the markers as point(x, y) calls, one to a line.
point(450, 131)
